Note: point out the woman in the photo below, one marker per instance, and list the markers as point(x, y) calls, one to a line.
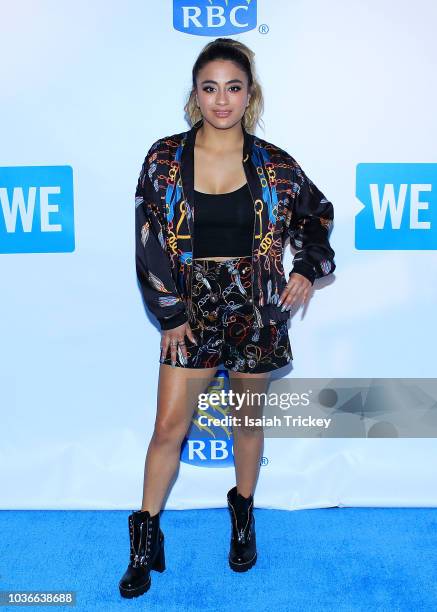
point(215, 281)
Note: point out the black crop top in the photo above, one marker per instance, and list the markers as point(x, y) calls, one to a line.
point(223, 223)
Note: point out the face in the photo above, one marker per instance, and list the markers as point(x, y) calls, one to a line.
point(222, 93)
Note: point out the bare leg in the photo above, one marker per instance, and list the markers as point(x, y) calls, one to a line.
point(248, 442)
point(178, 390)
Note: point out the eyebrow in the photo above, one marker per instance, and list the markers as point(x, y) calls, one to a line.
point(227, 82)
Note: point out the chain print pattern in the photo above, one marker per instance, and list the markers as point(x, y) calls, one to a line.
point(287, 205)
point(224, 322)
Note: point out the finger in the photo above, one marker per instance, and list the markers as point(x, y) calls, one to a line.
point(173, 351)
point(298, 295)
point(306, 295)
point(294, 296)
point(190, 334)
point(283, 295)
point(288, 301)
point(164, 347)
point(290, 286)
point(182, 351)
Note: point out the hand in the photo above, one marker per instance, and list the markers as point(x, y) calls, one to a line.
point(175, 338)
point(297, 289)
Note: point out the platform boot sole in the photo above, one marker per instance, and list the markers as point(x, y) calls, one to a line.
point(243, 567)
point(130, 593)
point(158, 566)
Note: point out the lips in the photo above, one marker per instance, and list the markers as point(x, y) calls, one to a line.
point(222, 113)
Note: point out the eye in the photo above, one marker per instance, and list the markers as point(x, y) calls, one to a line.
point(235, 88)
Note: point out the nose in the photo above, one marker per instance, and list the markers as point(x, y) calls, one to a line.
point(221, 97)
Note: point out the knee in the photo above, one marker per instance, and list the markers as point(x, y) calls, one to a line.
point(247, 429)
point(168, 432)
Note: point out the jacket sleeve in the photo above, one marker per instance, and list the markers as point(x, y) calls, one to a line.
point(312, 216)
point(153, 265)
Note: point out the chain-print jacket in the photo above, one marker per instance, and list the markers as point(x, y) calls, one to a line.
point(286, 203)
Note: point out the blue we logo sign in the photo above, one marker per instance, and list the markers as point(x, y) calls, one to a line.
point(36, 209)
point(214, 17)
point(399, 207)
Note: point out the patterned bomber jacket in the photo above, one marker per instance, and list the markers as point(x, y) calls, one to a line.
point(286, 204)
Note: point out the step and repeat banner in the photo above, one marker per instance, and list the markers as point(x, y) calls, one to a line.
point(350, 94)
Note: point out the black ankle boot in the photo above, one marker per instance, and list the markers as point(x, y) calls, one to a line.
point(242, 554)
point(146, 553)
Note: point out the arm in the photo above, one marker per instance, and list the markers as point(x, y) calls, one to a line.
point(153, 266)
point(312, 216)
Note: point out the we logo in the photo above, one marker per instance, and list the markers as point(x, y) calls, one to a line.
point(36, 209)
point(214, 17)
point(399, 206)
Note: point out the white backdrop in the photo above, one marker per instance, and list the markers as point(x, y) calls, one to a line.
point(91, 86)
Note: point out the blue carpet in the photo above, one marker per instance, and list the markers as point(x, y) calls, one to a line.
point(336, 559)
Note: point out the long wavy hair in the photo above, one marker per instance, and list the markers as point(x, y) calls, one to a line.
point(240, 54)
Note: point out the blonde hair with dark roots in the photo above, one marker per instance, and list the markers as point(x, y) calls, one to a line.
point(240, 54)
